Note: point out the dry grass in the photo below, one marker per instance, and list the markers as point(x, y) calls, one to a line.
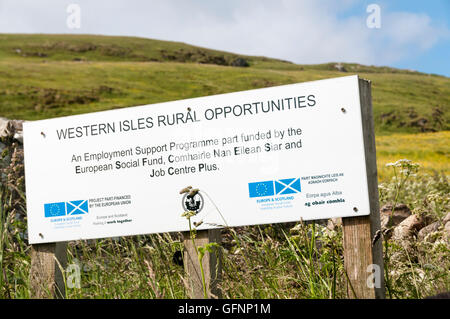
point(273, 261)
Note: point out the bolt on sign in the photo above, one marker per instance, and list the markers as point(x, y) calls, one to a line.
point(262, 156)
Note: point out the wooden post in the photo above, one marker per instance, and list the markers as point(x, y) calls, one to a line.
point(46, 277)
point(211, 262)
point(359, 232)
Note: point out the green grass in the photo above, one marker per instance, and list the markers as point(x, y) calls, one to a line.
point(112, 73)
point(116, 49)
point(44, 76)
point(271, 261)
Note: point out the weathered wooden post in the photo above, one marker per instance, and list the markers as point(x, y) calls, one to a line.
point(361, 254)
point(211, 264)
point(46, 278)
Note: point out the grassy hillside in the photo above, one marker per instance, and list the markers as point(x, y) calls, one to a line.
point(43, 76)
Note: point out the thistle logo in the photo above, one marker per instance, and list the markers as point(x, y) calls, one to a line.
point(76, 207)
point(272, 188)
point(193, 202)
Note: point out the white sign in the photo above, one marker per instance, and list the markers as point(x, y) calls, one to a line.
point(270, 155)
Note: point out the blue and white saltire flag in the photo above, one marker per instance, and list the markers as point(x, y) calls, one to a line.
point(77, 207)
point(288, 186)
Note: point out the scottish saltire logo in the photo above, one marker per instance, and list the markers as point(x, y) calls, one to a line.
point(272, 188)
point(287, 186)
point(76, 207)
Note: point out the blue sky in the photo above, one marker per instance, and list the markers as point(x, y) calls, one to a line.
point(413, 34)
point(436, 59)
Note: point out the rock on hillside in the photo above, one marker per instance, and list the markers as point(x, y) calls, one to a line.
point(11, 128)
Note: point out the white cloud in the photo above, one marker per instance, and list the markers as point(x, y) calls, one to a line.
point(407, 28)
point(314, 31)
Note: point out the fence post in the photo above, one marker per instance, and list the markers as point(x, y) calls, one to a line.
point(360, 250)
point(211, 262)
point(46, 278)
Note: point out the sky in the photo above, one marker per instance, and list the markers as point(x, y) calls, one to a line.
point(412, 34)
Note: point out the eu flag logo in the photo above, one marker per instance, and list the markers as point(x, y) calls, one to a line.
point(287, 186)
point(55, 209)
point(278, 187)
point(76, 207)
point(261, 189)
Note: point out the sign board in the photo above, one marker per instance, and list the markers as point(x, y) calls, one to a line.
point(262, 156)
